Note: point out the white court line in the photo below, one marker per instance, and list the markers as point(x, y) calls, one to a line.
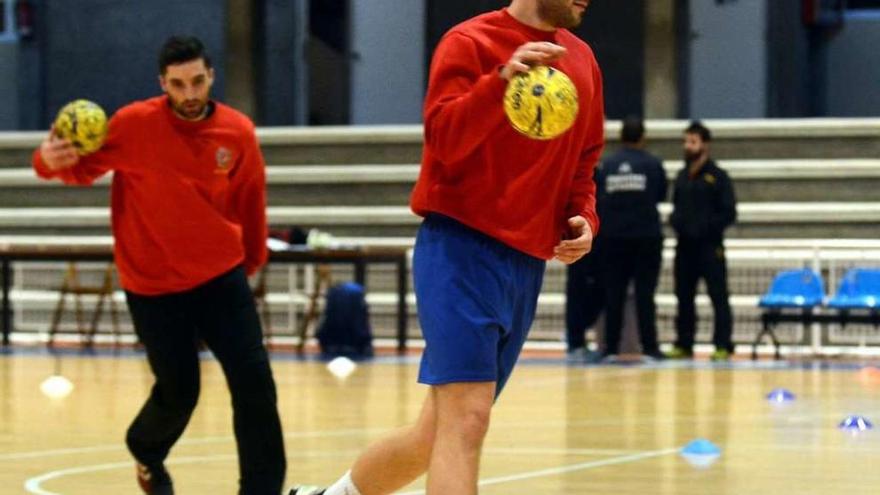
point(530, 451)
point(36, 454)
point(14, 456)
point(638, 420)
point(34, 485)
point(567, 469)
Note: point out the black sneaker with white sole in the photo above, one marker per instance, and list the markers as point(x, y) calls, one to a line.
point(306, 490)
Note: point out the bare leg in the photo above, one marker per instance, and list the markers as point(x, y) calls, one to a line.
point(463, 411)
point(395, 461)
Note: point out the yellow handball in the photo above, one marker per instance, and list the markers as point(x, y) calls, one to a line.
point(541, 103)
point(84, 123)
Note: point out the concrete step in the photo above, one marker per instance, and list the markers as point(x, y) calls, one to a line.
point(293, 145)
point(391, 184)
point(859, 220)
point(733, 139)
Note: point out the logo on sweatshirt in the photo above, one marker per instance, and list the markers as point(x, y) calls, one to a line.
point(224, 160)
point(624, 180)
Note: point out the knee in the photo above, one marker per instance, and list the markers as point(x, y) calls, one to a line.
point(475, 424)
point(181, 398)
point(470, 425)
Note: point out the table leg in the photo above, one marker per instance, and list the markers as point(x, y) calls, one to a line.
point(7, 309)
point(360, 273)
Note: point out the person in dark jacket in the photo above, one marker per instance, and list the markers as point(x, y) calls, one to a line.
point(630, 184)
point(584, 303)
point(704, 205)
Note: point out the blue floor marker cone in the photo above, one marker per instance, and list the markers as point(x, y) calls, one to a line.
point(855, 424)
point(780, 396)
point(701, 446)
point(701, 453)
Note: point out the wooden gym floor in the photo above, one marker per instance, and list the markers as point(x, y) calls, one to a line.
point(557, 429)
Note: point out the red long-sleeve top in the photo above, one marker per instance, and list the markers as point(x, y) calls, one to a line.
point(478, 169)
point(188, 199)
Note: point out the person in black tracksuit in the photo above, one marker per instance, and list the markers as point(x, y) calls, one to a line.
point(584, 302)
point(629, 185)
point(704, 205)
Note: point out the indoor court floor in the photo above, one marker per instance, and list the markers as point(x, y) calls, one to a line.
point(557, 429)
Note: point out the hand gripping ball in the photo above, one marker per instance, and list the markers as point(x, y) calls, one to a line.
point(541, 103)
point(84, 123)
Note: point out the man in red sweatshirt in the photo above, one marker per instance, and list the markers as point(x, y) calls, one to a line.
point(496, 205)
point(189, 222)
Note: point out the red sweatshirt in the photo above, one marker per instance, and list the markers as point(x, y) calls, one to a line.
point(478, 169)
point(188, 198)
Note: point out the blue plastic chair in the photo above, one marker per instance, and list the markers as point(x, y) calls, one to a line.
point(859, 289)
point(800, 289)
point(794, 289)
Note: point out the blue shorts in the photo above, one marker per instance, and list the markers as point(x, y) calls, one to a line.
point(476, 301)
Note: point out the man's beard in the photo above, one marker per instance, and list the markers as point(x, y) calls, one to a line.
point(189, 109)
point(558, 13)
point(692, 156)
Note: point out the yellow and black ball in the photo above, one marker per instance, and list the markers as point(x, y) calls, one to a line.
point(84, 123)
point(541, 103)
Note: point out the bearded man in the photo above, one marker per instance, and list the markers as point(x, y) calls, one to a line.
point(189, 224)
point(704, 206)
point(496, 205)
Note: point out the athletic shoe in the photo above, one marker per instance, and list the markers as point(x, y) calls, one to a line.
point(609, 358)
point(583, 355)
point(307, 490)
point(155, 480)
point(577, 355)
point(653, 357)
point(680, 353)
point(720, 355)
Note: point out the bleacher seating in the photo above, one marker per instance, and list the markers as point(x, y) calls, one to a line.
point(755, 220)
point(804, 187)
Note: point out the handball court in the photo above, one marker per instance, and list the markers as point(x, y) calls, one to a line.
point(557, 429)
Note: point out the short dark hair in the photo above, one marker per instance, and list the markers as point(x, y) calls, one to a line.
point(180, 49)
point(633, 130)
point(699, 129)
